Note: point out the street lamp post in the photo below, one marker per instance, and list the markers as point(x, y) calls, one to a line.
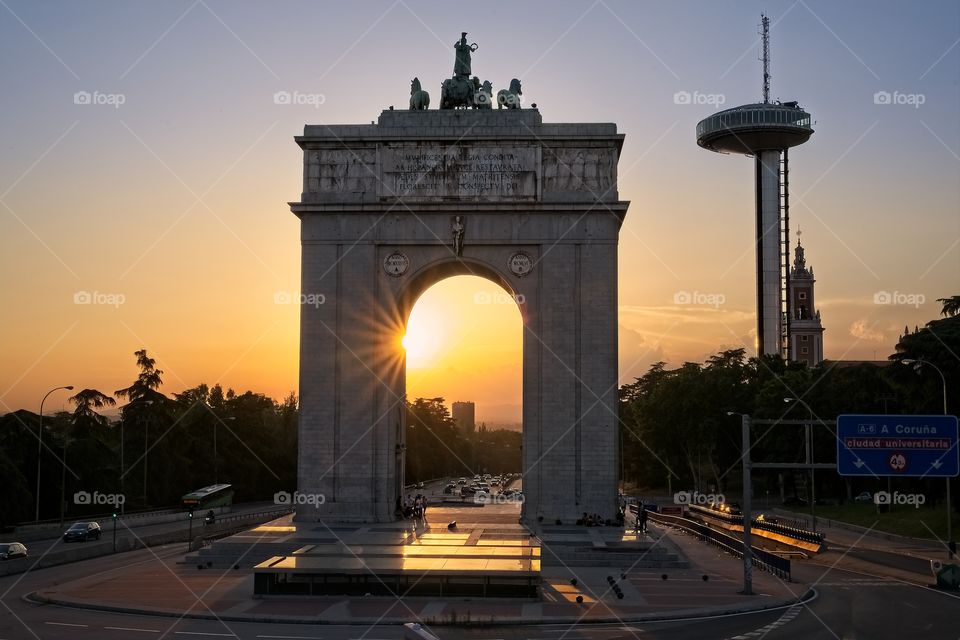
point(63, 480)
point(40, 445)
point(808, 439)
point(917, 363)
point(123, 420)
point(146, 439)
point(746, 507)
point(216, 423)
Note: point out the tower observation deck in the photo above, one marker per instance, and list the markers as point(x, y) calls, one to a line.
point(765, 130)
point(751, 128)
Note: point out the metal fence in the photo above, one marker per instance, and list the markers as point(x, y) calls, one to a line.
point(762, 558)
point(797, 533)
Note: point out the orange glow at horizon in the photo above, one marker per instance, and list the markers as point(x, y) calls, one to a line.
point(464, 341)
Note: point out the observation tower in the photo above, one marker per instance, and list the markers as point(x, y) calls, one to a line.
point(765, 130)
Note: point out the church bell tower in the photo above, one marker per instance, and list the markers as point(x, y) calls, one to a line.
point(806, 331)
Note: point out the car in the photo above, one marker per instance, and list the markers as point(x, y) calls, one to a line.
point(419, 485)
point(12, 550)
point(864, 496)
point(82, 531)
point(467, 491)
point(449, 488)
point(462, 481)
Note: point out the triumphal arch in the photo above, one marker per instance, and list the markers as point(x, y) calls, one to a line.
point(481, 186)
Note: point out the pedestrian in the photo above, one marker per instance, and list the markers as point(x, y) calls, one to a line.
point(423, 509)
point(643, 518)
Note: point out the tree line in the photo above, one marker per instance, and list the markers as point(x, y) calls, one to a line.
point(674, 430)
point(676, 433)
point(159, 448)
point(437, 447)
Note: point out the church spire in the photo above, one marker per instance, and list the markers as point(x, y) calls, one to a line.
point(799, 260)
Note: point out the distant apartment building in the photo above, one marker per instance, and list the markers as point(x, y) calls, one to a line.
point(464, 415)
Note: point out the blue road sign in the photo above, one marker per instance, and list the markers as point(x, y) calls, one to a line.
point(908, 446)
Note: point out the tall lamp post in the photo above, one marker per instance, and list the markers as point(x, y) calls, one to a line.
point(216, 421)
point(809, 458)
point(917, 363)
point(63, 480)
point(746, 507)
point(40, 445)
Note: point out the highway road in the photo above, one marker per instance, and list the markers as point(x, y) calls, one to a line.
point(52, 548)
point(849, 606)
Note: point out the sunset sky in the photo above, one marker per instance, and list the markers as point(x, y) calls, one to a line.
point(164, 206)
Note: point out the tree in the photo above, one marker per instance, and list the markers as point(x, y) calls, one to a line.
point(144, 388)
point(951, 306)
point(85, 419)
point(146, 407)
point(85, 445)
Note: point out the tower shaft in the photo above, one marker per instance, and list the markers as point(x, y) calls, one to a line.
point(769, 230)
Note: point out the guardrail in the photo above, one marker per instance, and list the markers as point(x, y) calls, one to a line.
point(54, 523)
point(762, 558)
point(206, 532)
point(128, 541)
point(804, 535)
point(278, 511)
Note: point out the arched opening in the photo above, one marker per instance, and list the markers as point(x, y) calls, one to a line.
point(463, 345)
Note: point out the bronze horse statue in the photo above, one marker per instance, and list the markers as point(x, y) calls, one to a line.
point(419, 99)
point(510, 98)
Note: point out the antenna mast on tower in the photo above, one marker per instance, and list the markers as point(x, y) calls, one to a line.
point(765, 39)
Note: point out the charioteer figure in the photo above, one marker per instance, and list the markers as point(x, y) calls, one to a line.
point(461, 62)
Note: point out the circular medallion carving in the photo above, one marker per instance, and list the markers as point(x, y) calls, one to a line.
point(520, 264)
point(396, 264)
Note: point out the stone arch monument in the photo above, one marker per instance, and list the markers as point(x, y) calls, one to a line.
point(389, 209)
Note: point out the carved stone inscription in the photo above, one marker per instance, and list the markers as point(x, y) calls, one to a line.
point(592, 170)
point(467, 171)
point(341, 170)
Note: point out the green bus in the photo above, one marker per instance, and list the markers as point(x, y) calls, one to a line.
point(216, 495)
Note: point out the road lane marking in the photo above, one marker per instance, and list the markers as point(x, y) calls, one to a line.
point(133, 629)
point(67, 624)
point(204, 633)
point(295, 637)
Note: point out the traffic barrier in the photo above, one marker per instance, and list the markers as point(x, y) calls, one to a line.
point(762, 558)
point(804, 535)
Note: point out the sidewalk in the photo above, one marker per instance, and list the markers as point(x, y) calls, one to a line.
point(171, 589)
